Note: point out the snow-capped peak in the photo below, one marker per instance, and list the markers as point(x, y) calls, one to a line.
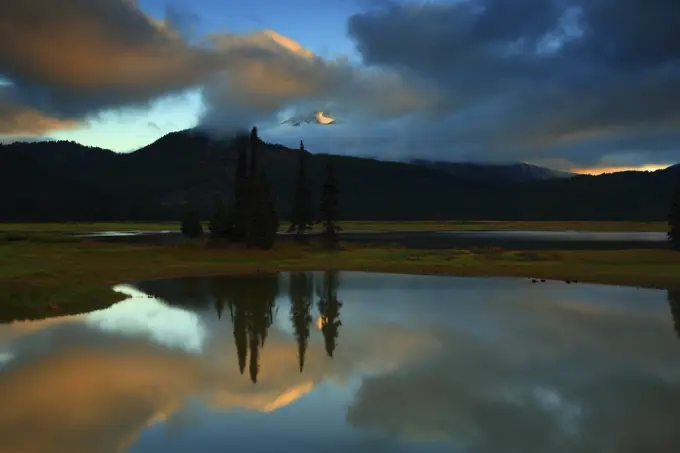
point(311, 118)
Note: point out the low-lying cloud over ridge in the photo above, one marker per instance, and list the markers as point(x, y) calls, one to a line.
point(107, 53)
point(558, 82)
point(267, 73)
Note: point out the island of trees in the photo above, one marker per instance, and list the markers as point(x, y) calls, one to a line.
point(250, 216)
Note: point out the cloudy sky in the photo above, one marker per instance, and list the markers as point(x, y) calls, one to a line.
point(570, 84)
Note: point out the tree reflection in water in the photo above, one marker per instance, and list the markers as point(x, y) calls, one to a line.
point(301, 299)
point(673, 296)
point(251, 301)
point(329, 309)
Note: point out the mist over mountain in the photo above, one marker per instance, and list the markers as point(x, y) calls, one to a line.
point(68, 181)
point(509, 172)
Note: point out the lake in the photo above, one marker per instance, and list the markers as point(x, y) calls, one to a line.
point(510, 239)
point(348, 362)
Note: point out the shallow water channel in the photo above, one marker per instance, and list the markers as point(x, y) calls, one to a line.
point(517, 240)
point(348, 362)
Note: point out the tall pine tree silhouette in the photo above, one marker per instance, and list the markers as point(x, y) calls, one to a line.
point(240, 199)
point(261, 208)
point(674, 220)
point(301, 294)
point(302, 217)
point(329, 309)
point(330, 207)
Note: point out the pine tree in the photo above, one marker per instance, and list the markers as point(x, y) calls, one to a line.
point(261, 206)
point(329, 211)
point(674, 220)
point(191, 224)
point(254, 163)
point(240, 202)
point(220, 224)
point(301, 212)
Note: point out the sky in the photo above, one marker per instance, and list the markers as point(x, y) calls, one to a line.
point(581, 85)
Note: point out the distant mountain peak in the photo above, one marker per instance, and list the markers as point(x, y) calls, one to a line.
point(495, 171)
point(320, 118)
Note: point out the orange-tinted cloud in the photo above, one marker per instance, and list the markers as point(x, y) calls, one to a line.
point(22, 121)
point(95, 47)
point(85, 401)
point(267, 72)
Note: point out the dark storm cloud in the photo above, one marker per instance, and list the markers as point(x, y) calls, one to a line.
point(543, 79)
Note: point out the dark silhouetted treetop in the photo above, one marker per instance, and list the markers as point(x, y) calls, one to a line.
point(302, 215)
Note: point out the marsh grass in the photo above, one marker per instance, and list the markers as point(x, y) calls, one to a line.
point(38, 236)
point(40, 272)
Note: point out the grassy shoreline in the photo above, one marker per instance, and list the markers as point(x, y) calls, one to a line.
point(360, 226)
point(78, 276)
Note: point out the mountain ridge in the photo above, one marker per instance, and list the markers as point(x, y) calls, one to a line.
point(514, 171)
point(191, 167)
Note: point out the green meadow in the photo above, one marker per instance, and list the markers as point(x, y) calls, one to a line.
point(47, 274)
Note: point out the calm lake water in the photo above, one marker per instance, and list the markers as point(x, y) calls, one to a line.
point(520, 240)
point(348, 362)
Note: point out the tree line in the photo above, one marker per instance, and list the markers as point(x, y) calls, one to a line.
point(674, 220)
point(251, 217)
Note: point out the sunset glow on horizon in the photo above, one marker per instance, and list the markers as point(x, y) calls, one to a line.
point(603, 170)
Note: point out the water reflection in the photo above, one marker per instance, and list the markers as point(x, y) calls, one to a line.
point(251, 304)
point(329, 308)
point(301, 298)
point(251, 301)
point(674, 302)
point(424, 364)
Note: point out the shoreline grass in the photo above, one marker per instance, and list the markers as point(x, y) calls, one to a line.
point(360, 226)
point(78, 276)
